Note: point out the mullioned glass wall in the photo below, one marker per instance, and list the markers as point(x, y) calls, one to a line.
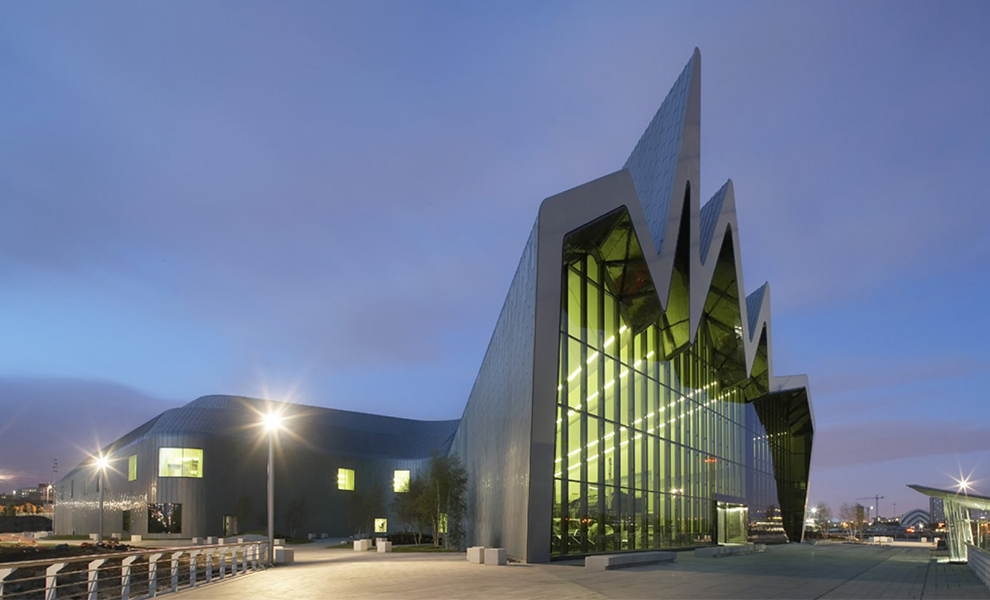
point(646, 444)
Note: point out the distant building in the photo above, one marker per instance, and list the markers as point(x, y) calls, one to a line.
point(936, 511)
point(916, 517)
point(626, 400)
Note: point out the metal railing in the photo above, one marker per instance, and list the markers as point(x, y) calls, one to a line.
point(132, 574)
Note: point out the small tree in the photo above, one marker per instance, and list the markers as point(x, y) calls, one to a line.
point(823, 518)
point(296, 515)
point(244, 510)
point(366, 506)
point(446, 493)
point(854, 515)
point(411, 509)
point(9, 511)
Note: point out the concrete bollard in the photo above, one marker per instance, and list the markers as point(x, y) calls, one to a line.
point(312, 536)
point(212, 539)
point(494, 557)
point(284, 556)
point(476, 555)
point(135, 537)
point(384, 547)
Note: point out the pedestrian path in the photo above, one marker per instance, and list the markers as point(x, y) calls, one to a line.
point(838, 571)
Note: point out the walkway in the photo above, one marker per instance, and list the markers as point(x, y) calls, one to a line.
point(788, 571)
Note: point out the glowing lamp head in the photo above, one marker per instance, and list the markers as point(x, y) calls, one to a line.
point(963, 484)
point(272, 421)
point(101, 463)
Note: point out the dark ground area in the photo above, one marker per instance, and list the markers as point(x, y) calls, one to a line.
point(25, 523)
point(21, 552)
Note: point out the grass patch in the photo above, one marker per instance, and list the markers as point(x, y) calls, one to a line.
point(66, 537)
point(420, 548)
point(297, 541)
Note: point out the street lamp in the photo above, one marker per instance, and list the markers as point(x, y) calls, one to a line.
point(272, 423)
point(101, 463)
point(963, 484)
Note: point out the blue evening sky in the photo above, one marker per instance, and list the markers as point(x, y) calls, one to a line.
point(326, 202)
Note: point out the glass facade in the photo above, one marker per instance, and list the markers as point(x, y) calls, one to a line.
point(179, 462)
point(650, 436)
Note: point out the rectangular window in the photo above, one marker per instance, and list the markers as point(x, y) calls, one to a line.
point(132, 467)
point(400, 481)
point(165, 518)
point(345, 479)
point(381, 525)
point(180, 462)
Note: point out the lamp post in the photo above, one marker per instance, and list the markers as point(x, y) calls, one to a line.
point(272, 423)
point(101, 467)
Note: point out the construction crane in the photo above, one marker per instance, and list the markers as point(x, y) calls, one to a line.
point(876, 502)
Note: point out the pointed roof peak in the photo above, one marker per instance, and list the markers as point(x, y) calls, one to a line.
point(654, 161)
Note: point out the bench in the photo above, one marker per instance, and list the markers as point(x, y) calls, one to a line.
point(495, 557)
point(476, 555)
point(633, 559)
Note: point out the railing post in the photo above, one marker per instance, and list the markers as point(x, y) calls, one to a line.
point(175, 570)
point(93, 577)
point(254, 557)
point(244, 559)
point(153, 574)
point(51, 579)
point(223, 562)
point(193, 557)
point(4, 573)
point(125, 577)
point(208, 556)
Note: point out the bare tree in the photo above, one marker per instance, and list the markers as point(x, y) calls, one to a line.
point(823, 518)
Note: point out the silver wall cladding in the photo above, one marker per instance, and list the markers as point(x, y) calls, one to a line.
point(494, 436)
point(315, 443)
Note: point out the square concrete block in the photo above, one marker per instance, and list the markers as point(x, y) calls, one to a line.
point(279, 541)
point(362, 545)
point(211, 539)
point(224, 540)
point(135, 537)
point(284, 556)
point(476, 555)
point(312, 536)
point(94, 536)
point(324, 536)
point(384, 547)
point(494, 556)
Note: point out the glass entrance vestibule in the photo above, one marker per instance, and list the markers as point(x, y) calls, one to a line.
point(731, 523)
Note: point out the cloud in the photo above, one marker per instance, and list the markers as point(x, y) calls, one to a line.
point(878, 442)
point(64, 419)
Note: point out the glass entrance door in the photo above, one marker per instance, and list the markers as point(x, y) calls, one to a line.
point(730, 523)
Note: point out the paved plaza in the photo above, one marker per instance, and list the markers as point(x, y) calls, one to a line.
point(786, 571)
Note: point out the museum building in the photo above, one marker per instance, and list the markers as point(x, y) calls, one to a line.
point(626, 400)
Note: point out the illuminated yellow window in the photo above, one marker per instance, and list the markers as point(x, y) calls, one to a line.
point(180, 462)
point(345, 479)
point(443, 523)
point(132, 467)
point(400, 481)
point(381, 525)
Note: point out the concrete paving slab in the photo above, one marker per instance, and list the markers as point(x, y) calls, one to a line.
point(789, 571)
